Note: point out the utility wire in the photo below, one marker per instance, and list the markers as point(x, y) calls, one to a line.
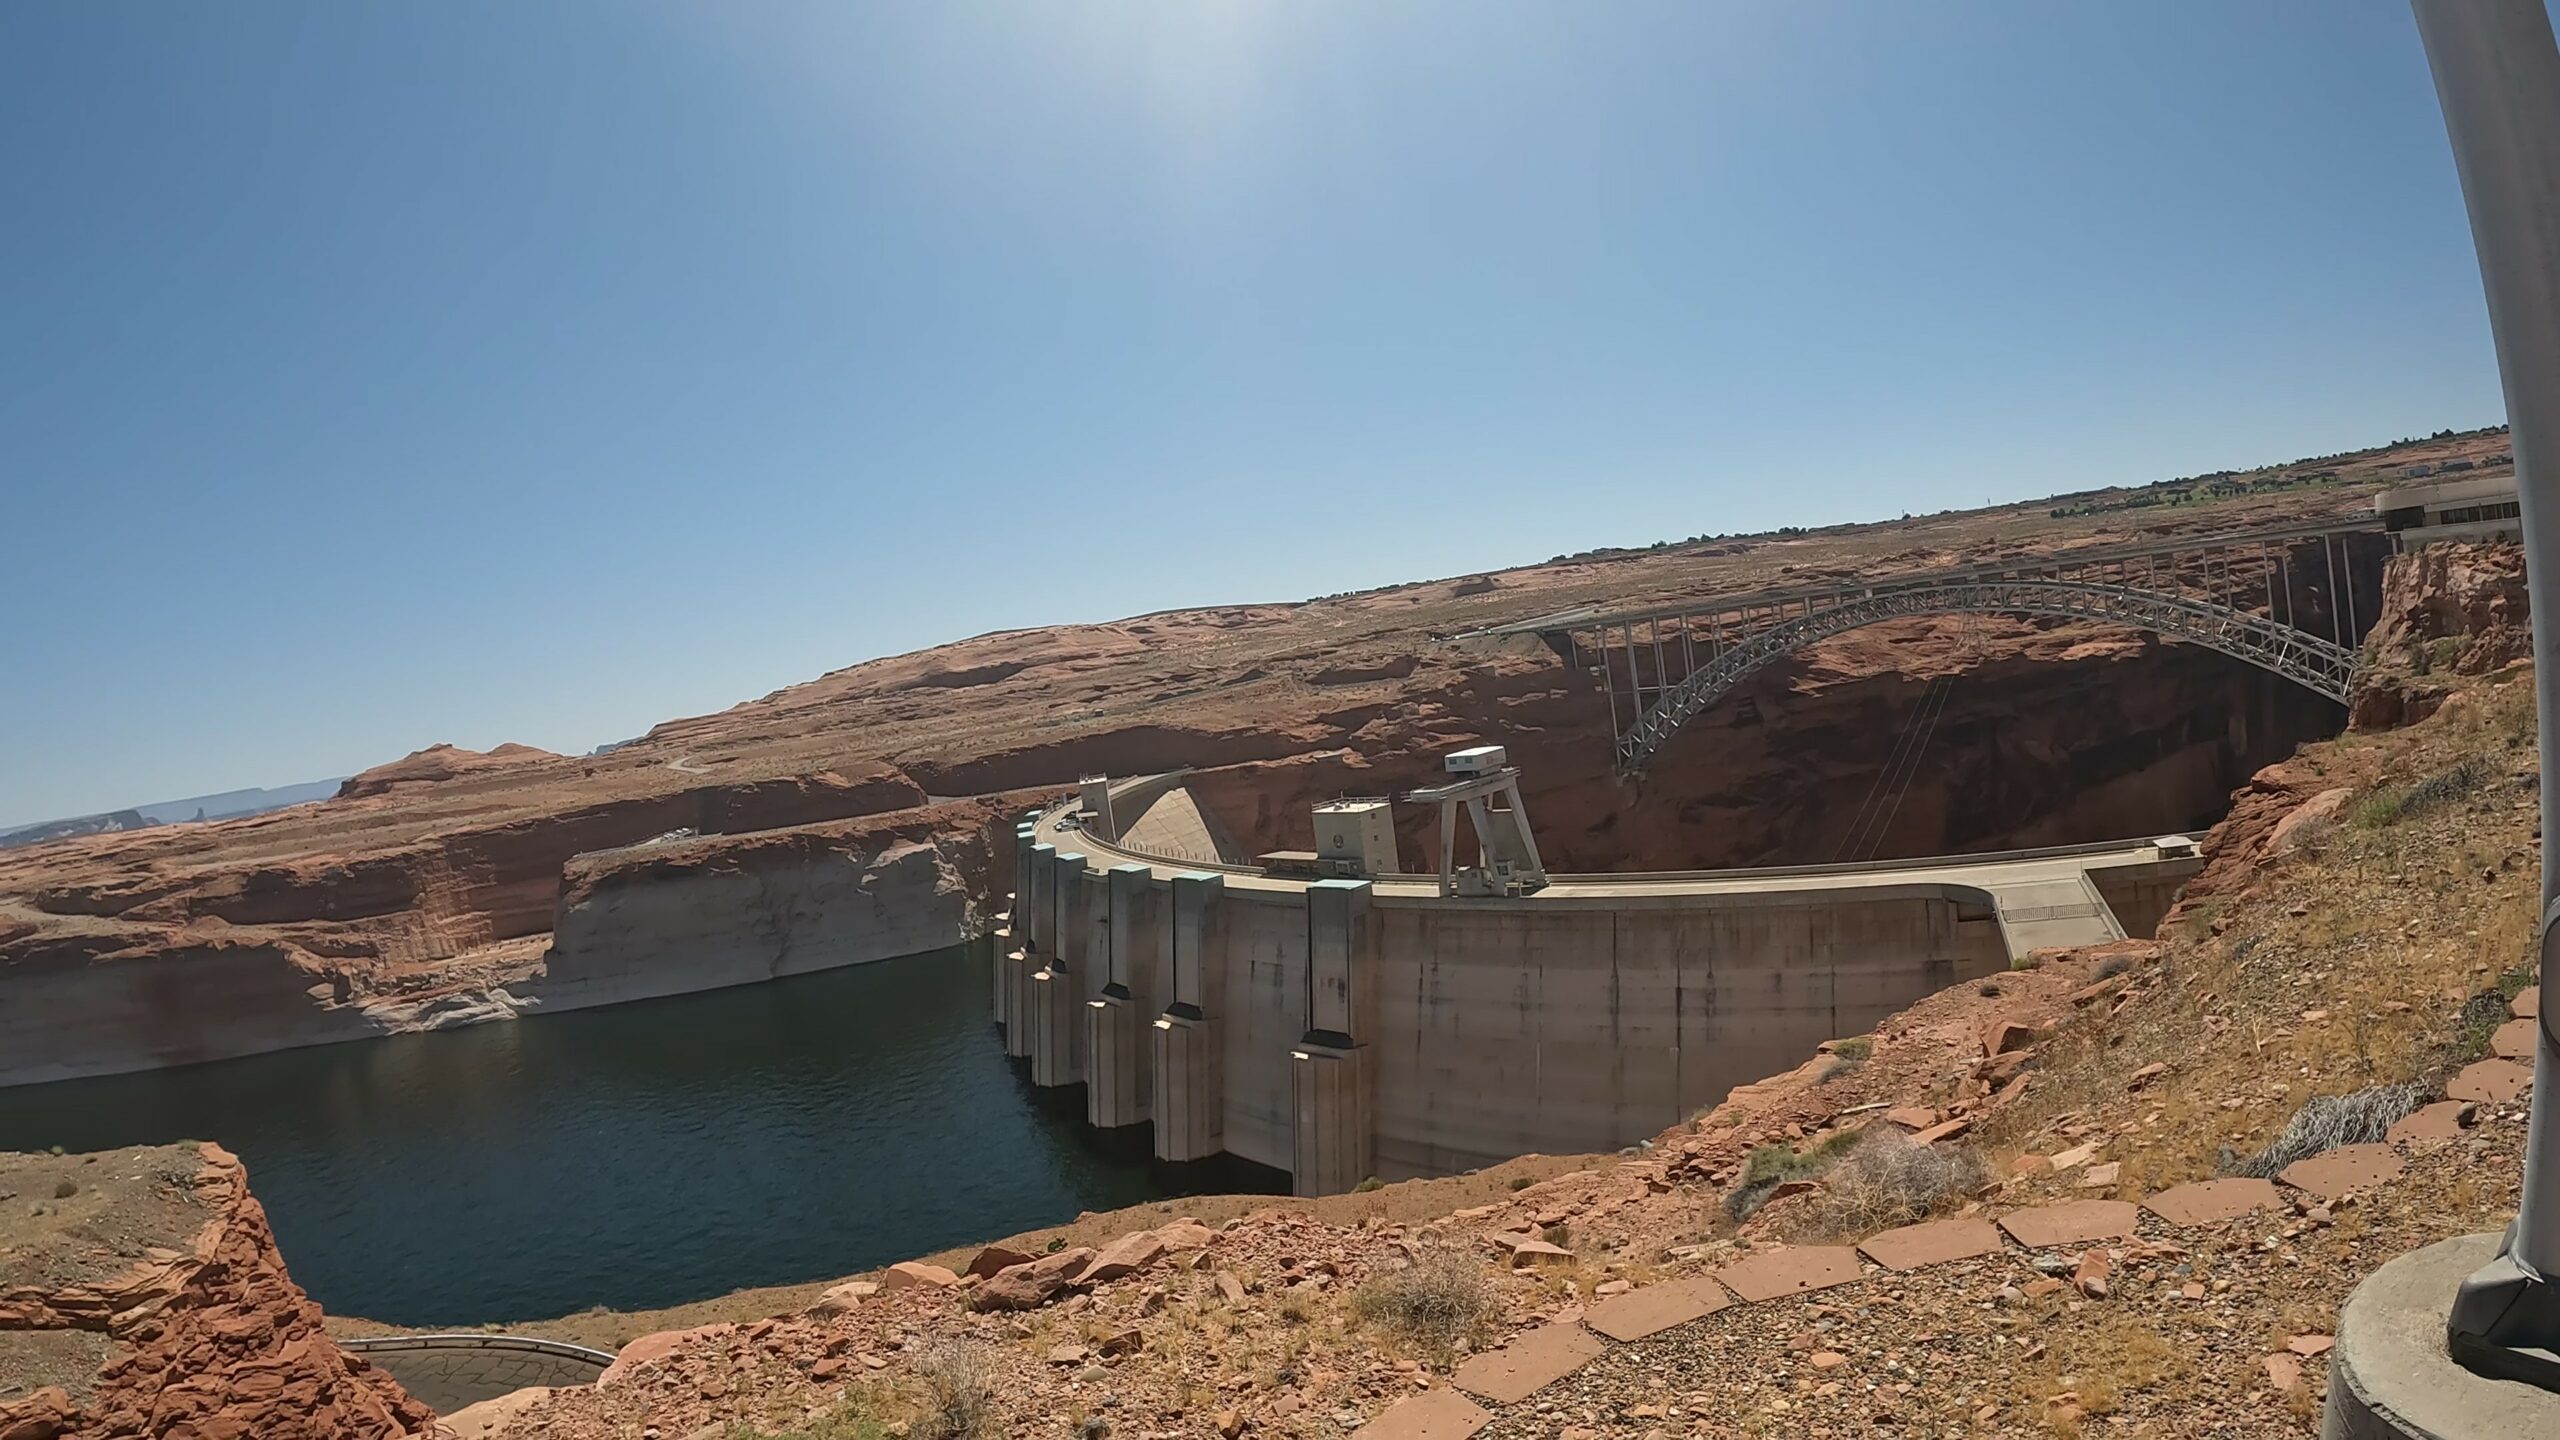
point(1917, 751)
point(1903, 744)
point(1858, 821)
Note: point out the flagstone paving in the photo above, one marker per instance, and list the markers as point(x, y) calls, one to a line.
point(2441, 1121)
point(1935, 1243)
point(1639, 1313)
point(2214, 1202)
point(1790, 1270)
point(1431, 1415)
point(2515, 1039)
point(2494, 1080)
point(2347, 1168)
point(1538, 1358)
point(2043, 1227)
point(1513, 1372)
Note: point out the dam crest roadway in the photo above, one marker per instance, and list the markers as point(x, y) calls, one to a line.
point(1371, 1024)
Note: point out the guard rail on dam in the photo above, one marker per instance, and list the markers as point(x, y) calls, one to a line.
point(1339, 1029)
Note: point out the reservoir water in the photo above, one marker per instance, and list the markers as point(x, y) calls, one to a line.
point(641, 1155)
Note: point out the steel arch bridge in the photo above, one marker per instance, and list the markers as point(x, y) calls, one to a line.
point(2307, 660)
point(2189, 589)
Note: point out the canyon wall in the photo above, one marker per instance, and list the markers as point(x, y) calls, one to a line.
point(153, 970)
point(427, 891)
point(2044, 736)
point(188, 1329)
point(2448, 609)
point(662, 919)
point(99, 1004)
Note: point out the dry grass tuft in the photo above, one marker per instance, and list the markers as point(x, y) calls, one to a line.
point(2326, 1122)
point(1431, 1304)
point(855, 1417)
point(1846, 1057)
point(957, 1390)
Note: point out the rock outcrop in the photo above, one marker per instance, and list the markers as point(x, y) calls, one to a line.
point(436, 764)
point(154, 966)
point(693, 915)
point(147, 1298)
point(2451, 608)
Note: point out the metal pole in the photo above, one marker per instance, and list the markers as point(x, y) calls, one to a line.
point(1661, 667)
point(1608, 687)
point(2332, 557)
point(2347, 553)
point(2497, 74)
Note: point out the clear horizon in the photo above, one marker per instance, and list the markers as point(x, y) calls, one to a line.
point(376, 379)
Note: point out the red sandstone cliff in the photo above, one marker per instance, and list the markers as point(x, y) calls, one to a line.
point(146, 1298)
point(158, 961)
point(428, 892)
point(2447, 609)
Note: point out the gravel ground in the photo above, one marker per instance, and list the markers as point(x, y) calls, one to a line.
point(68, 1220)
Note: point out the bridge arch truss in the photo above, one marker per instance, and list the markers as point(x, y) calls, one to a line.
point(2244, 595)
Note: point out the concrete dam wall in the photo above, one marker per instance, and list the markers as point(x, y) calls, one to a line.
point(1339, 1029)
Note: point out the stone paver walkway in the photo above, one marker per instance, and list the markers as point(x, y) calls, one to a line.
point(1540, 1357)
point(1521, 1368)
point(2074, 1222)
point(1935, 1243)
point(2349, 1167)
point(1431, 1415)
point(1789, 1270)
point(1638, 1313)
point(2213, 1202)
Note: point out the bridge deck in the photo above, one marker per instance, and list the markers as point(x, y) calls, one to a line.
point(1589, 617)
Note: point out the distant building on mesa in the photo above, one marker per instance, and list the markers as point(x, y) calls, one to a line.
point(2473, 507)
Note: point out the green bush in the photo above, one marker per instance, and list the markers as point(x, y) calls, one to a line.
point(1771, 1166)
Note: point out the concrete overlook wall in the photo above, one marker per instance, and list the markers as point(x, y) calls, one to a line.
point(1342, 1029)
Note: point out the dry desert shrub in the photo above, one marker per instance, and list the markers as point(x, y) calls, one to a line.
point(2390, 805)
point(2327, 1121)
point(1433, 1303)
point(1887, 1180)
point(956, 1392)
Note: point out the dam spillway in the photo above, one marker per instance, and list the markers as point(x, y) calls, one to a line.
point(1345, 1028)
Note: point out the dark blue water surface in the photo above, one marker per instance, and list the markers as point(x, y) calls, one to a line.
point(642, 1155)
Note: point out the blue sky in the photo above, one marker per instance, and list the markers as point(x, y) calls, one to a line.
point(378, 375)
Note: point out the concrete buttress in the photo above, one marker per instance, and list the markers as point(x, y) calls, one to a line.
point(1057, 1001)
point(1330, 1070)
point(1117, 1086)
point(1189, 1100)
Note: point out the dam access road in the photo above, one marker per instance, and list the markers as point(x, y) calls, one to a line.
point(1344, 1028)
